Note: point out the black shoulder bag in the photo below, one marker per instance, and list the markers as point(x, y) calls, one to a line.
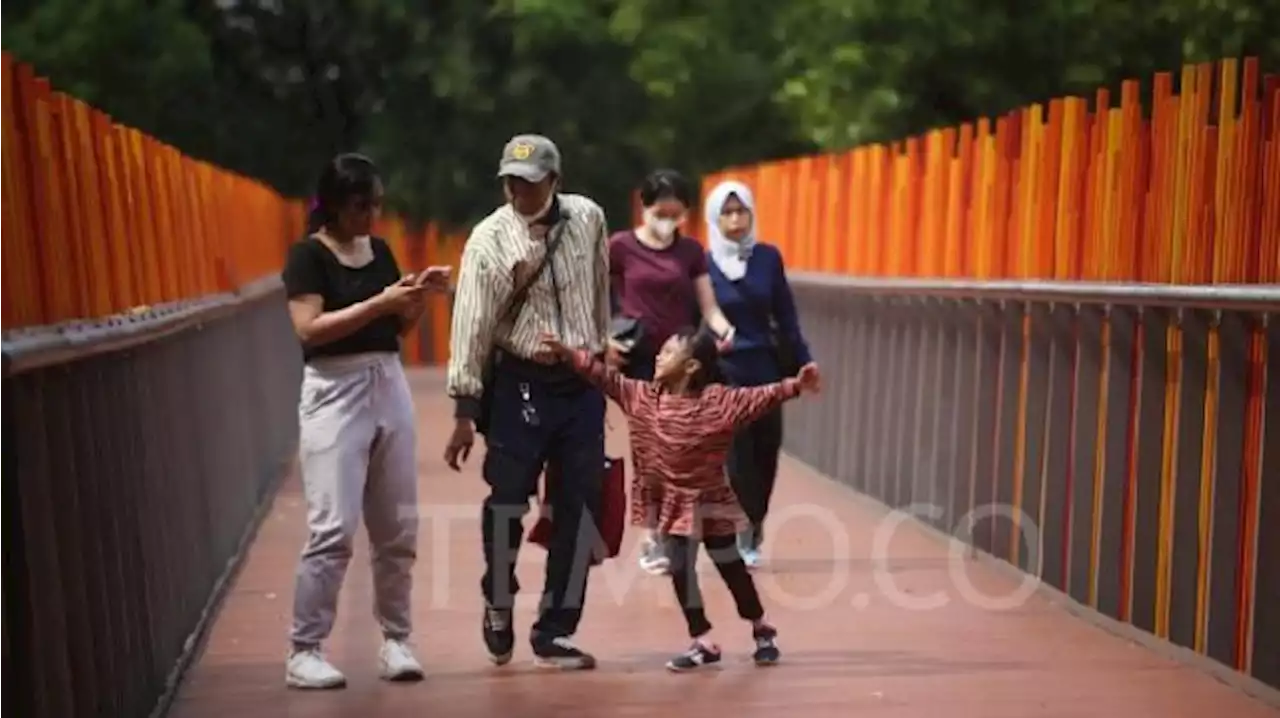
point(514, 306)
point(783, 350)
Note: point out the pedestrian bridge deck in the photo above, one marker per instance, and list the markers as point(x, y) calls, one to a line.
point(853, 643)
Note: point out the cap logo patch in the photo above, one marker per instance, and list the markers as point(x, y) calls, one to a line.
point(522, 151)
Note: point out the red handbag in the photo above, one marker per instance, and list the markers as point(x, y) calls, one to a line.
point(613, 511)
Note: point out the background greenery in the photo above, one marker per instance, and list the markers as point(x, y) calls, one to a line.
point(432, 88)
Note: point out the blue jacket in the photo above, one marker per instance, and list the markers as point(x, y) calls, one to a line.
point(764, 288)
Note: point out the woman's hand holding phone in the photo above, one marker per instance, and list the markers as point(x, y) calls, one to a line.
point(435, 278)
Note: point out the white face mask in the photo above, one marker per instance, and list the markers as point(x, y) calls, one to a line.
point(542, 211)
point(664, 228)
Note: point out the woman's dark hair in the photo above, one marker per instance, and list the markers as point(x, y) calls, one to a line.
point(343, 177)
point(702, 346)
point(665, 184)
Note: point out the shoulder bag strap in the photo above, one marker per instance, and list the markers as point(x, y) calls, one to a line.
point(518, 298)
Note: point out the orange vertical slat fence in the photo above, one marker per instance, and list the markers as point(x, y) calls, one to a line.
point(101, 219)
point(1185, 190)
point(104, 219)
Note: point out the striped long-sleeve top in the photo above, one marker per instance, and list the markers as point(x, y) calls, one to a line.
point(570, 299)
point(681, 441)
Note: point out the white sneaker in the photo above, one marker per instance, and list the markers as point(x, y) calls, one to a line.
point(749, 549)
point(652, 559)
point(309, 669)
point(396, 662)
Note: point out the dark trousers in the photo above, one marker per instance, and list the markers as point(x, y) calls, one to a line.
point(559, 426)
point(753, 468)
point(683, 553)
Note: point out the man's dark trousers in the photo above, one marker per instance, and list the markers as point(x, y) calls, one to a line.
point(537, 421)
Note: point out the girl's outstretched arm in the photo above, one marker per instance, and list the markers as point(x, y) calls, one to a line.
point(743, 405)
point(606, 378)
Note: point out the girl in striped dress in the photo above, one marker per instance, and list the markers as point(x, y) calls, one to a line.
point(681, 425)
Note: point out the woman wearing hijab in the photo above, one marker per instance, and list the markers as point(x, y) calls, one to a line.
point(660, 287)
point(750, 282)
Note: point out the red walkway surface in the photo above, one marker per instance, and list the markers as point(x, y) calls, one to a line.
point(849, 647)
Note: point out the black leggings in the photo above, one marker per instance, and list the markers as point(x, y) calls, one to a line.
point(683, 553)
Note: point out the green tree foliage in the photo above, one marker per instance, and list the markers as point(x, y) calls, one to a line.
point(431, 90)
point(872, 70)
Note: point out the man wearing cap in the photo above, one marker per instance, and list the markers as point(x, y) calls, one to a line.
point(535, 412)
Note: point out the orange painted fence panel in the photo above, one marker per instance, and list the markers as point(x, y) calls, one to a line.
point(101, 219)
point(1185, 190)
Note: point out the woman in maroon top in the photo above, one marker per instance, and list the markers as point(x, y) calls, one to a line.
point(660, 281)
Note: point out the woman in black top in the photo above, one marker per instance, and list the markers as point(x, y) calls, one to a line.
point(350, 306)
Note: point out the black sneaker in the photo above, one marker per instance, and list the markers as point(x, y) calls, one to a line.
point(766, 653)
point(560, 653)
point(499, 636)
point(698, 656)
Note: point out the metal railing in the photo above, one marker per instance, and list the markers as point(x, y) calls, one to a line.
point(139, 452)
point(1120, 442)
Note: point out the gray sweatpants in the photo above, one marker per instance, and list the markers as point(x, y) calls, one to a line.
point(358, 454)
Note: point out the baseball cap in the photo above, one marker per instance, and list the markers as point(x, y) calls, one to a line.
point(529, 157)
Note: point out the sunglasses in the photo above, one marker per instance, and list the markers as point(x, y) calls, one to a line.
point(365, 204)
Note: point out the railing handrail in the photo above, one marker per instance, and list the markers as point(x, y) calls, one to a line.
point(25, 350)
point(1238, 297)
point(36, 347)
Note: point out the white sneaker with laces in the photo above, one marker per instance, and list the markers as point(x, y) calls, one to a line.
point(309, 669)
point(396, 662)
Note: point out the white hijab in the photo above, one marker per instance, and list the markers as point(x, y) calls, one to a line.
point(730, 256)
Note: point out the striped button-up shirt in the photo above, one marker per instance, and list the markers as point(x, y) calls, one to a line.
point(500, 255)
